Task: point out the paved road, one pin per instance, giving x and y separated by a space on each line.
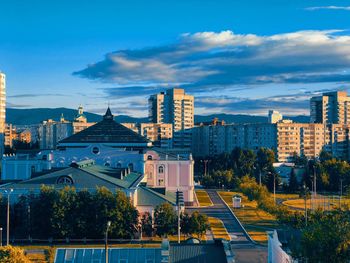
219 210
245 250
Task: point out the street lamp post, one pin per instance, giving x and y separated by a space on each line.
258 168
341 192
0 236
8 192
305 196
106 241
274 188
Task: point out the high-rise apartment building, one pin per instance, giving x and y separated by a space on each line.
331 107
177 108
160 134
285 138
2 111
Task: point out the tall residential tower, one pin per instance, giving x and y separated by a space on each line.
175 107
2 111
330 108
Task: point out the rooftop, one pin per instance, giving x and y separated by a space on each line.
106 131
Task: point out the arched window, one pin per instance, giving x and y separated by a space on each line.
131 167
107 164
95 150
66 180
119 165
161 169
149 157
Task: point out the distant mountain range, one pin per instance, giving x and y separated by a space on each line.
37 115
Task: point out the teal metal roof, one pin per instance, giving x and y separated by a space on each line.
149 197
85 177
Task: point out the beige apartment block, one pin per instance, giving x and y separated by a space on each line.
2 110
331 107
177 108
160 134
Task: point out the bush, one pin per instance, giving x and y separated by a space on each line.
9 254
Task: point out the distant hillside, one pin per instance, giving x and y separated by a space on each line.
37 115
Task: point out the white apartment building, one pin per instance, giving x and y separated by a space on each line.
177 108
209 140
2 111
50 132
331 107
160 134
285 138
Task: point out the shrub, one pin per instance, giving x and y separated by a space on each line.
9 254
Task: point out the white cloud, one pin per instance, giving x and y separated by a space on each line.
204 62
330 7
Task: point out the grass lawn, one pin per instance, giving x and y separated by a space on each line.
255 220
323 203
203 198
217 228
37 258
286 196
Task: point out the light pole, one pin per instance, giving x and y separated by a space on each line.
305 196
258 168
106 241
341 191
0 236
8 192
274 188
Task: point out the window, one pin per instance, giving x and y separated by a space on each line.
161 169
149 157
119 165
66 180
107 164
95 150
131 167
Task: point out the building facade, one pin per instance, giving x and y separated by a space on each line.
110 144
2 111
160 134
50 132
285 138
331 107
177 108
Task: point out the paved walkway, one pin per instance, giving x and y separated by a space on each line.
245 249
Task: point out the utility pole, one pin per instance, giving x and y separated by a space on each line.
8 192
179 203
341 191
260 177
106 241
305 196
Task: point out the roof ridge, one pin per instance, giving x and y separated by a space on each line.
156 193
101 176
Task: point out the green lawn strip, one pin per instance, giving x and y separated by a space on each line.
256 221
203 198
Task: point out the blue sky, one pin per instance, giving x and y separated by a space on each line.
234 56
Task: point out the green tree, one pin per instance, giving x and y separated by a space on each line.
64 213
124 217
9 254
293 184
198 224
326 239
42 211
146 222
165 220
